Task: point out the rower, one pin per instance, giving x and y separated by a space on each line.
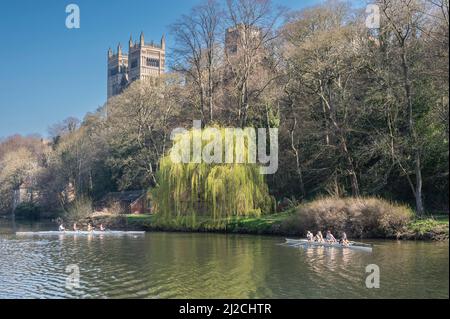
75 227
330 238
61 227
309 236
344 240
319 237
89 227
102 228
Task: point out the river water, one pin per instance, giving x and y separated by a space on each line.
192 265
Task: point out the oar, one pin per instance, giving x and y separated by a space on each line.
360 244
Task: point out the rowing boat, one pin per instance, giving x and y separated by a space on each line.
304 242
81 232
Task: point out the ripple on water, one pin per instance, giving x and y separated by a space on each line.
162 265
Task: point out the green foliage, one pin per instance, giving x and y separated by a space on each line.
16 166
137 129
27 210
140 218
268 224
188 190
428 225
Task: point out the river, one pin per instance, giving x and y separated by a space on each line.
193 265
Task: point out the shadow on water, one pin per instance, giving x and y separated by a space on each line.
9 224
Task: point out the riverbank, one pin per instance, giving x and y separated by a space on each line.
431 228
428 228
362 218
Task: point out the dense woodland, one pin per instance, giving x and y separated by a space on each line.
360 111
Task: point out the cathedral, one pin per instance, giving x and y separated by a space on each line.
144 61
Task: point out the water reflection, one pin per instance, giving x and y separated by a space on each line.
181 265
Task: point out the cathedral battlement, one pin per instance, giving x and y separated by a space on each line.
143 61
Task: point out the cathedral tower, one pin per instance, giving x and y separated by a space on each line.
117 71
144 61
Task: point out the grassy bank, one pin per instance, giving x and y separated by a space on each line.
432 227
429 228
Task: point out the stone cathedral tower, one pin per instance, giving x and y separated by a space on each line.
144 61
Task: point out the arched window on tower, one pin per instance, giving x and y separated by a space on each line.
153 62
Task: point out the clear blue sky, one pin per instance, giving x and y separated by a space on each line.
49 72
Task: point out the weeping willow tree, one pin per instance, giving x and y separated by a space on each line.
215 190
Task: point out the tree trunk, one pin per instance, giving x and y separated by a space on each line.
202 103
210 93
343 142
414 140
418 193
297 158
327 132
351 168
244 105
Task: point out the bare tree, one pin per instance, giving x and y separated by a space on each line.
403 19
140 122
68 125
323 58
197 53
250 33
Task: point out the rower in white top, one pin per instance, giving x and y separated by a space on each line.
330 238
319 238
61 227
344 240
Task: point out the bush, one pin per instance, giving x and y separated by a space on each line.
27 211
358 217
115 208
79 209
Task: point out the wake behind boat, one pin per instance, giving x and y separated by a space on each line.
81 232
351 245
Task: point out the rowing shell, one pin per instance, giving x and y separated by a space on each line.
304 242
81 232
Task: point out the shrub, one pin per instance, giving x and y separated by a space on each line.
79 209
115 208
27 211
358 217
